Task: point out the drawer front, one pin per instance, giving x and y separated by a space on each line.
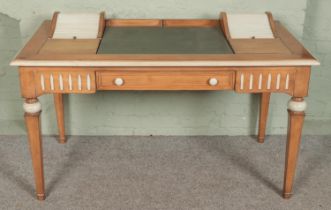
172 80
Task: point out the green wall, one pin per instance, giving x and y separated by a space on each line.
166 113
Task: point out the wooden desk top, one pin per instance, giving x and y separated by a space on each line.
163 43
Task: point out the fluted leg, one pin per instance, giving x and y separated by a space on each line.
32 108
296 108
264 108
58 101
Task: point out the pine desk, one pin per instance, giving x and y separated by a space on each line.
155 54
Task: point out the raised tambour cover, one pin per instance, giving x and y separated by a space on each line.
246 26
76 25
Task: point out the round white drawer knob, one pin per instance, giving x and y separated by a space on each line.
119 81
213 81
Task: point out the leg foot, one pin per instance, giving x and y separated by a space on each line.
41 197
287 195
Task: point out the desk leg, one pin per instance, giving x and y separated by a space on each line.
264 108
296 108
58 101
32 108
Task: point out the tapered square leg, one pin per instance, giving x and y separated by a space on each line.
32 110
58 101
264 109
296 116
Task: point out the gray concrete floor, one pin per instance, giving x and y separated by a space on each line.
165 173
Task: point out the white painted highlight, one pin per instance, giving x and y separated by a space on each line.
60 82
269 82
88 82
42 82
213 81
242 79
119 63
246 26
32 108
251 81
79 25
51 79
287 82
260 81
70 82
297 106
278 82
79 82
119 81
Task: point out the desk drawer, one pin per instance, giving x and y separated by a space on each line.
172 80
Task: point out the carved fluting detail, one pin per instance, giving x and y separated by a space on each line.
79 82
269 82
278 82
32 107
88 82
242 81
297 106
70 82
251 80
260 81
52 81
66 81
61 81
42 82
265 81
287 82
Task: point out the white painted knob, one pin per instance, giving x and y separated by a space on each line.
297 106
213 81
32 108
119 81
